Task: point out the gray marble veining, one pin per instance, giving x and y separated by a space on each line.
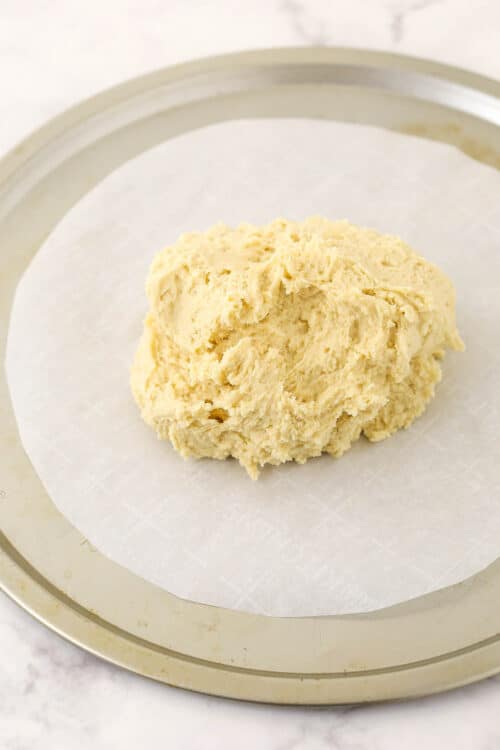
402 12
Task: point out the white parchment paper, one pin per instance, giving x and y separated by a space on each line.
386 522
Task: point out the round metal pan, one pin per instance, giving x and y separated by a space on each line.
433 643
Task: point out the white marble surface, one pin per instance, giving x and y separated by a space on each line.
53 53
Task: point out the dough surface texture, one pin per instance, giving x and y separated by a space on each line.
281 342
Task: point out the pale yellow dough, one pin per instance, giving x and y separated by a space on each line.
281 342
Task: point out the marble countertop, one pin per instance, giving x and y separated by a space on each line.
52 694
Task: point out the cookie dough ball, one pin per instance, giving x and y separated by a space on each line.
282 342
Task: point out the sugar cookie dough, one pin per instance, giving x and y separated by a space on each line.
281 342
